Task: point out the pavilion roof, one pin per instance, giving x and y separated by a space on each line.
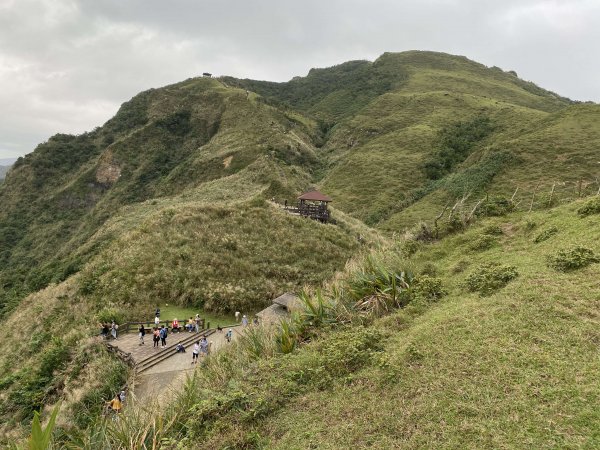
315 196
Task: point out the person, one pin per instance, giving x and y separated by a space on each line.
204 346
285 203
175 325
142 331
157 313
237 316
179 348
190 325
219 329
195 352
255 320
244 321
113 329
157 321
229 335
115 404
122 396
197 323
156 337
104 330
163 336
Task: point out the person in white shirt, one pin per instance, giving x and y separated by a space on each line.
195 352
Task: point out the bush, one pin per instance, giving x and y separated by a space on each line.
492 230
545 235
428 288
489 278
481 243
496 207
590 207
571 259
460 266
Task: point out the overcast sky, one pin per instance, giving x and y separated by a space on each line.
67 65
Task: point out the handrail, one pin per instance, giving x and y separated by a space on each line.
126 327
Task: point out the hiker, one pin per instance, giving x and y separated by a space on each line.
104 330
285 203
175 325
142 331
204 346
113 330
244 321
157 313
237 316
157 321
115 404
229 335
255 321
156 337
163 336
179 348
195 352
190 325
197 323
122 396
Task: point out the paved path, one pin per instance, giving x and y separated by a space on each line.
160 382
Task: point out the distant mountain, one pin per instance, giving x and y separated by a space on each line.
3 170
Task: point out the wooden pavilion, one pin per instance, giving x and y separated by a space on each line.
313 204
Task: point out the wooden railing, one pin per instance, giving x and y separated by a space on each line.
126 357
149 324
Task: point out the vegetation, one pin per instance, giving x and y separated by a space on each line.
451 322
572 258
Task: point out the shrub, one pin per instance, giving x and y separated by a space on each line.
491 277
496 207
545 235
590 207
429 269
481 243
376 288
530 225
571 259
460 266
428 288
492 230
409 248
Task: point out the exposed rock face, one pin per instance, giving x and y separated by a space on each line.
108 171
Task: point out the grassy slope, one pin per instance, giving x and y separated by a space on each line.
383 118
161 143
516 369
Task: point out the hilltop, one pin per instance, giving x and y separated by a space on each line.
171 201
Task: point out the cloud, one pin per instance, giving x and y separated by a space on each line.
67 65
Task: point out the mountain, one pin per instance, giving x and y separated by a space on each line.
3 170
171 201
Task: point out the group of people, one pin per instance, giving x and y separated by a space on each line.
245 320
159 335
201 347
107 329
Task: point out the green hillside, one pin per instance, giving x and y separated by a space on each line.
171 201
514 365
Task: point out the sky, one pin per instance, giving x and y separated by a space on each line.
66 65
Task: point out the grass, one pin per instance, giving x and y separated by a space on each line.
181 313
516 367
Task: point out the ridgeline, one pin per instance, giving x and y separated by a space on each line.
448 315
